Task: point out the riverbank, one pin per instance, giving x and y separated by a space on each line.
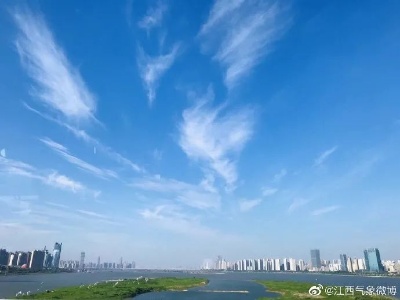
119 289
300 290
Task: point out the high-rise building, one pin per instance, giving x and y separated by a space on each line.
3 257
277 264
315 259
82 262
302 266
56 255
12 260
22 259
37 259
292 264
349 264
48 259
343 262
373 261
98 262
361 264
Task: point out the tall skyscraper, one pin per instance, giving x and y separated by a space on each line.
98 262
343 262
82 262
3 257
373 261
37 260
22 259
315 259
56 255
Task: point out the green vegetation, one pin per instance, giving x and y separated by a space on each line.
122 289
299 290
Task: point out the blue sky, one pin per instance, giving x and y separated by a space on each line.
168 132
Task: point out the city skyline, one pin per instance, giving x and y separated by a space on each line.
171 132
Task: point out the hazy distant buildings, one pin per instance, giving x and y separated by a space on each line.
56 255
315 259
82 262
373 261
343 263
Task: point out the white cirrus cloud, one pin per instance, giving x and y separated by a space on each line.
325 210
52 178
59 85
241 33
247 205
171 218
268 191
88 139
279 176
63 152
215 136
324 156
296 204
192 195
154 17
64 182
152 68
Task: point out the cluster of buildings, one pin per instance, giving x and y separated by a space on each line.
35 260
81 265
370 262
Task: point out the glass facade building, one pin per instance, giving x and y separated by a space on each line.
56 255
315 259
373 261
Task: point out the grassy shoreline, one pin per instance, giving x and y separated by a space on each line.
119 289
300 290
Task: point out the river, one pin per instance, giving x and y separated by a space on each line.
238 285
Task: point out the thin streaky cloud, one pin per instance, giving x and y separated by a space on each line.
152 68
63 152
53 179
219 10
63 182
92 214
247 205
153 17
268 191
324 156
85 137
171 218
325 210
240 35
296 204
195 196
215 136
279 176
46 63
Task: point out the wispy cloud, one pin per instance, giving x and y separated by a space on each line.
63 151
324 156
171 218
153 17
325 210
153 68
14 167
268 191
63 182
241 33
157 154
279 176
92 214
189 194
247 205
88 139
59 85
215 136
297 203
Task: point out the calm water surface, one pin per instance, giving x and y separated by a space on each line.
11 284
